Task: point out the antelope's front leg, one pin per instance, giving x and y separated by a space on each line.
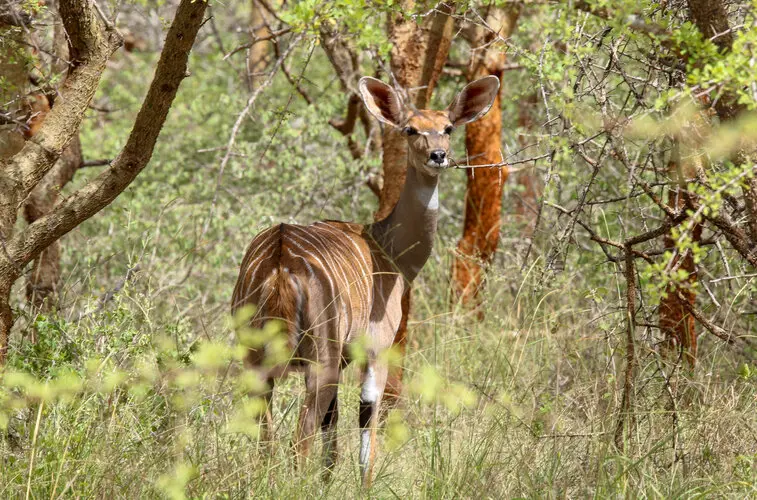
374 382
393 391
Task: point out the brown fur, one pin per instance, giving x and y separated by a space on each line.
339 286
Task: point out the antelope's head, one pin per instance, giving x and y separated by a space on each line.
428 131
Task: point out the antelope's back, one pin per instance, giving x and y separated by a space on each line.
315 276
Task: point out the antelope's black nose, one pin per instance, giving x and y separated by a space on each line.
438 156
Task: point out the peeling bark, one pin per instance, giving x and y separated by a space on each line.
676 322
419 52
259 56
483 197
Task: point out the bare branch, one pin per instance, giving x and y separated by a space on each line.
103 189
258 39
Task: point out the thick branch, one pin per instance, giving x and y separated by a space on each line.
98 193
93 47
711 19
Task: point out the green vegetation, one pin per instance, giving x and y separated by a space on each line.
135 386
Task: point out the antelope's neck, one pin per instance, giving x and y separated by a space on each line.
407 234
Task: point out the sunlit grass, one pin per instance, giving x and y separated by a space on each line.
521 404
143 395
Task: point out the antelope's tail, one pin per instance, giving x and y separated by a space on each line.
283 298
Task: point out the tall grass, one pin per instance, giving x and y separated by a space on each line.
520 405
135 388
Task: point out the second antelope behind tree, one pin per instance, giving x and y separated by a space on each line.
337 283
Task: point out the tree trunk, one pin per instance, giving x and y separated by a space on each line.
711 18
419 52
15 81
483 198
42 283
260 52
676 322
91 47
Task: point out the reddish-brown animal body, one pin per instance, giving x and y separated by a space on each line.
332 285
328 276
336 283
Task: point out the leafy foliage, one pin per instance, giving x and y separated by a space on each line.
136 386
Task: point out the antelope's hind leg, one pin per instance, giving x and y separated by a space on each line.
321 385
328 428
253 363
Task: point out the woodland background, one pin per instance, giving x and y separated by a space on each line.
585 326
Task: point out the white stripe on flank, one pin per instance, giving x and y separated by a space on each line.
255 254
314 257
362 271
257 264
263 241
322 246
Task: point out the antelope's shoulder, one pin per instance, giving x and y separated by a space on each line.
351 229
338 232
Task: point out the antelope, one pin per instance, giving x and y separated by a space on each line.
334 284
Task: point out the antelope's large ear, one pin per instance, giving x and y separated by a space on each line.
474 101
381 100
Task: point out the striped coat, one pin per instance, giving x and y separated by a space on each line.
331 284
335 283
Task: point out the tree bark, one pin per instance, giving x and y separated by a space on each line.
676 322
42 283
483 197
418 54
91 47
260 52
16 79
345 62
711 18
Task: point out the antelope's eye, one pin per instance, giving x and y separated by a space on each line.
449 129
410 131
